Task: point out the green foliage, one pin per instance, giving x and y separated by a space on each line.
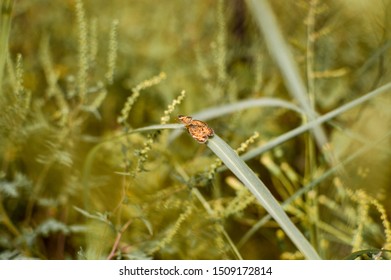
95 166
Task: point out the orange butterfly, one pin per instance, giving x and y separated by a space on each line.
199 130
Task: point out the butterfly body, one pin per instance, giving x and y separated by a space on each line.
199 130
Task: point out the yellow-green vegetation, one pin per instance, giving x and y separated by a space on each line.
94 164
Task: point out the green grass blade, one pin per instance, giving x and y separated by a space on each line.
5 27
226 109
261 192
322 119
370 254
313 184
281 53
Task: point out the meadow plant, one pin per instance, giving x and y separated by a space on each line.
95 164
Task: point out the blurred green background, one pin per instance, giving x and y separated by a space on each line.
65 195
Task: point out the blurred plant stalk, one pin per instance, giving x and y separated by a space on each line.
5 27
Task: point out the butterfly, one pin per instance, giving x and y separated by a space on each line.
199 130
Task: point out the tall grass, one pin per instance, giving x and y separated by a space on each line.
94 164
